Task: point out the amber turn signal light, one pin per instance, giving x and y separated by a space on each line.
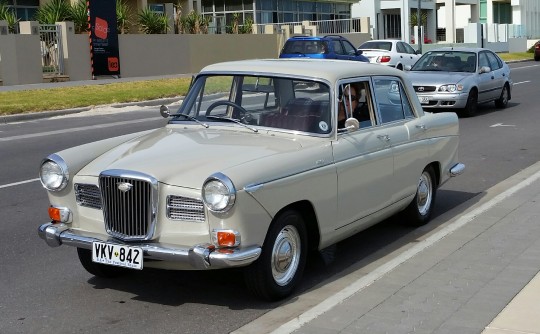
59 215
226 238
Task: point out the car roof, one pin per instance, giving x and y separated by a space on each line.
461 49
326 69
316 38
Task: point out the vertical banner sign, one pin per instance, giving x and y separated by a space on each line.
103 37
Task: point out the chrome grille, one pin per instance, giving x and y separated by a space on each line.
424 89
184 208
88 195
129 207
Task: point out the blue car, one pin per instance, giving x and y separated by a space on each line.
327 47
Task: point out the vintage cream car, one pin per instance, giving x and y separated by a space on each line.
254 170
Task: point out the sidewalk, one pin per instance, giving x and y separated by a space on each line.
476 273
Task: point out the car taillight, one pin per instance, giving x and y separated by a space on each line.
384 59
537 46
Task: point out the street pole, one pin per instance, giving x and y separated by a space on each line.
419 23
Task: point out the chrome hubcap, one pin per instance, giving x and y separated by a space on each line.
285 255
424 194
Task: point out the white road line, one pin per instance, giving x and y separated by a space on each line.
521 82
17 183
379 272
42 134
519 68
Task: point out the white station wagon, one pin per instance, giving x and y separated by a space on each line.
264 161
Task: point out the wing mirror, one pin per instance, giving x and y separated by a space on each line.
164 111
407 68
485 69
352 124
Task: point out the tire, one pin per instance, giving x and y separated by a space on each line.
536 58
97 269
502 101
472 104
419 211
286 241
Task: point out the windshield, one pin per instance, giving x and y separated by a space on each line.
447 61
259 101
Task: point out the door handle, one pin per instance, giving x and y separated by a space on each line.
384 137
421 126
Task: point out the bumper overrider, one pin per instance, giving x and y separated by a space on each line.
204 256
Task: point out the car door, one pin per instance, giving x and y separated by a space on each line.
498 74
350 50
409 54
405 133
364 166
487 85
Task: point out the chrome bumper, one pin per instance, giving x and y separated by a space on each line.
204 256
457 169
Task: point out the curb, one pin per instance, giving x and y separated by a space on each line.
46 114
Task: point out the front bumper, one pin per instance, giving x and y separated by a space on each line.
204 256
446 101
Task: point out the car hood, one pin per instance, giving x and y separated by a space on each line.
187 156
433 78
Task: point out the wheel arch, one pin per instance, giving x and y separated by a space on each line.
307 211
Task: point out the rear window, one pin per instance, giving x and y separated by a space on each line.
377 45
305 47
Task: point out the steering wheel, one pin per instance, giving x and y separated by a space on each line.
243 112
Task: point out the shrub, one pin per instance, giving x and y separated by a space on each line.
54 11
151 22
7 14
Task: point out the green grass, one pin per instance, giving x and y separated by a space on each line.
27 101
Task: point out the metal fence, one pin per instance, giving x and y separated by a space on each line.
52 58
323 27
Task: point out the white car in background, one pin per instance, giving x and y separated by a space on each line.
390 52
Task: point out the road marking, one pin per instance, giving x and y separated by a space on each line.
519 68
521 82
17 183
382 270
91 127
499 124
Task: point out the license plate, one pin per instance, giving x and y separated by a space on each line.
424 99
117 255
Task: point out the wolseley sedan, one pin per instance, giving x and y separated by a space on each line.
253 171
461 78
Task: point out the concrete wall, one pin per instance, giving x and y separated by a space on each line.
20 59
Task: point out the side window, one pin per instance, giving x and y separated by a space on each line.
493 61
483 60
355 101
337 47
400 48
409 48
349 48
391 100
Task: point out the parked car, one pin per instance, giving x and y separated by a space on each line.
253 171
327 47
537 51
390 52
461 78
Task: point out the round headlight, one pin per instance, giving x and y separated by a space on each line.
53 174
218 193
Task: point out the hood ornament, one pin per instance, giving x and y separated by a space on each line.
124 186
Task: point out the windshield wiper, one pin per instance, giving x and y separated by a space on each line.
191 118
234 120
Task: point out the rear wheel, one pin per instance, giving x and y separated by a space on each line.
472 104
279 268
419 211
97 269
502 101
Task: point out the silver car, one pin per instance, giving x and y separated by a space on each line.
254 170
461 78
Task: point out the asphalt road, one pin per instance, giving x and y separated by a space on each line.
44 290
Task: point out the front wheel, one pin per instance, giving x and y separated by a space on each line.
97 269
472 104
419 211
281 264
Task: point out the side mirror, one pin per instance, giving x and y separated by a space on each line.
407 68
359 52
418 52
352 124
485 69
164 111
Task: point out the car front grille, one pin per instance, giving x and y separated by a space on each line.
183 208
129 204
88 195
424 89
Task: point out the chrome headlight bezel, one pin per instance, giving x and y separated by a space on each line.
451 88
218 193
53 173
